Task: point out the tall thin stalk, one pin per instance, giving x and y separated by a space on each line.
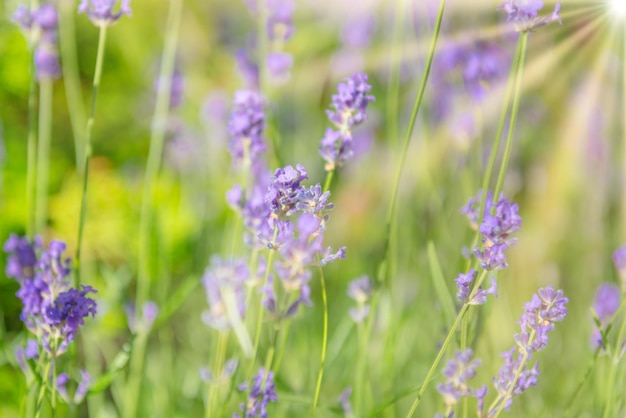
88 147
157 138
43 153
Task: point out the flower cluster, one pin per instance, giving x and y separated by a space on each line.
44 22
101 12
279 30
348 111
262 392
605 305
52 310
463 286
459 371
545 308
246 126
361 291
499 222
523 14
224 282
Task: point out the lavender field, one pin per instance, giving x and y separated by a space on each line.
312 208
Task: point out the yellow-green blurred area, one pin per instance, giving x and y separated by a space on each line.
567 174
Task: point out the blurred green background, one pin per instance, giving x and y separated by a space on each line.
567 175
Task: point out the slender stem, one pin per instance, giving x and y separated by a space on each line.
320 374
71 79
445 344
218 363
496 143
514 110
43 154
42 389
409 133
329 179
360 369
88 150
518 373
157 136
31 172
615 363
393 80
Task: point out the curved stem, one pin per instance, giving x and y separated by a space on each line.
88 150
514 110
320 374
518 372
407 140
43 154
218 362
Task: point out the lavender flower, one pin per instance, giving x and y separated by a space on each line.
282 195
361 290
483 65
350 102
262 392
101 13
344 401
348 111
69 311
280 19
81 390
52 310
278 65
220 277
605 305
619 259
545 308
464 287
460 370
523 14
248 69
499 222
45 19
246 126
141 323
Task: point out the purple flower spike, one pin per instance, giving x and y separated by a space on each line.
262 392
282 195
545 308
246 126
458 372
278 65
463 285
605 305
219 277
69 311
523 14
349 106
101 13
22 258
350 102
361 290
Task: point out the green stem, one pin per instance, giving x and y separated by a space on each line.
496 143
615 363
42 389
259 323
445 345
71 79
43 154
407 140
88 150
218 363
31 171
514 110
320 374
329 179
394 71
157 137
518 372
360 369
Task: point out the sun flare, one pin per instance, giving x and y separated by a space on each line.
617 8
